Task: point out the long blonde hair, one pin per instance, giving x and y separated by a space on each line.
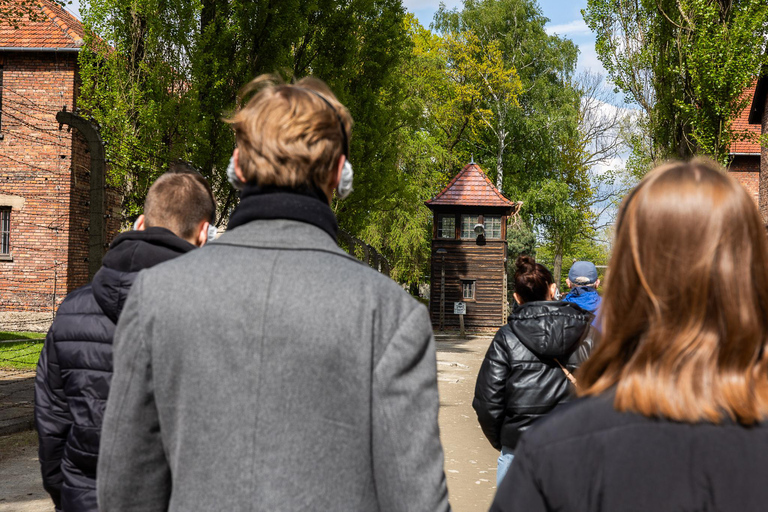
685 311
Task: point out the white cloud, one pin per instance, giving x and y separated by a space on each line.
575 27
614 164
588 59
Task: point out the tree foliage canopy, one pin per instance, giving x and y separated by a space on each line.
686 63
485 82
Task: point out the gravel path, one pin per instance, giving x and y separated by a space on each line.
21 489
470 461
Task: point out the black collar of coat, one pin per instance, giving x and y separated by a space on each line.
305 204
129 253
136 250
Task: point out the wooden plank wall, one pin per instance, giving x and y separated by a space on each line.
467 260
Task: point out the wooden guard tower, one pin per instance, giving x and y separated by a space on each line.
469 245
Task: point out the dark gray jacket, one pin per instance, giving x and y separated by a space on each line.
271 371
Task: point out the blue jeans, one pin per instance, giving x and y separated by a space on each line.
505 460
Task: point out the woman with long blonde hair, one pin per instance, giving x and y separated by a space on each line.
675 397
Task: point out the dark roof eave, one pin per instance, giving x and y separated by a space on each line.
38 49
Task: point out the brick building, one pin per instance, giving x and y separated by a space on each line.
745 154
44 170
758 118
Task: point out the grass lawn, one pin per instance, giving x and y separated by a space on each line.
23 352
21 335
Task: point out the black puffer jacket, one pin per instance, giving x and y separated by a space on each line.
75 367
520 379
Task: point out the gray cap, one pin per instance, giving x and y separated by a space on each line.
582 273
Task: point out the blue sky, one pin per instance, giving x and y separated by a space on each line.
565 20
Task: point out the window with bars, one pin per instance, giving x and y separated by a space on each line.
468 289
493 227
446 226
468 226
5 231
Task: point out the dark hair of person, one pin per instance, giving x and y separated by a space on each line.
532 280
685 311
179 200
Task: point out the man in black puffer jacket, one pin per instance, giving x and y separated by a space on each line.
75 367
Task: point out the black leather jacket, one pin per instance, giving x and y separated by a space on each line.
520 379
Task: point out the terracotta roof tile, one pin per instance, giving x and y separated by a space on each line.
741 125
54 27
470 187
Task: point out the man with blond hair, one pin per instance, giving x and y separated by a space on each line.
73 374
271 370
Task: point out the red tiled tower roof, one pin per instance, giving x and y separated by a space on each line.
741 125
52 28
470 187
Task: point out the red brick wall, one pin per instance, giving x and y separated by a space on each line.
746 170
48 168
764 170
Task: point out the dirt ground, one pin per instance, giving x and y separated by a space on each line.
21 489
470 462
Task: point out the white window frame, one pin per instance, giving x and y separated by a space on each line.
489 234
472 284
441 231
471 224
5 232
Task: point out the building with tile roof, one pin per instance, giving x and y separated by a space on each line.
470 187
47 26
44 169
472 266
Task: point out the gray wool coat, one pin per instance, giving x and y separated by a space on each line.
271 371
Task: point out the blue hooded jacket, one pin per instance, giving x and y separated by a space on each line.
586 297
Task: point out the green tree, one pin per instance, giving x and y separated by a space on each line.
134 78
455 85
686 63
159 76
554 139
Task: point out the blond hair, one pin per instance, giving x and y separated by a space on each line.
287 135
685 312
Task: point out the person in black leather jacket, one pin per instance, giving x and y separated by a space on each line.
521 378
75 366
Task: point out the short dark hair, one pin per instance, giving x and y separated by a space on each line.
532 280
179 200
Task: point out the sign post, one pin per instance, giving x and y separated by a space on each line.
460 308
